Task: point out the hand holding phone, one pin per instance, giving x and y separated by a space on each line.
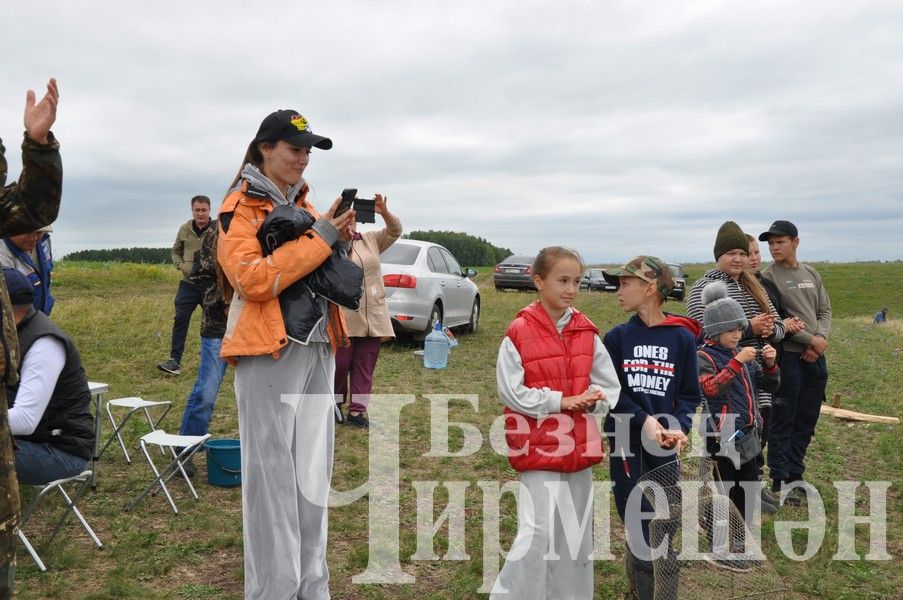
348 196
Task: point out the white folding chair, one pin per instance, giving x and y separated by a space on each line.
97 389
187 445
133 404
83 478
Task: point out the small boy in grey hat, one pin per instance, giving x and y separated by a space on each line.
729 380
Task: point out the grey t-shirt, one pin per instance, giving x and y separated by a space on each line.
805 297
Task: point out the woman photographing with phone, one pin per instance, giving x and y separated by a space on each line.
370 325
284 389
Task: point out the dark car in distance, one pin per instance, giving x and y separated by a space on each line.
680 282
594 281
515 272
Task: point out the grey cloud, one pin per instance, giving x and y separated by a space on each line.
526 123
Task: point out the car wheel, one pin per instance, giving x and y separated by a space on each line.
474 323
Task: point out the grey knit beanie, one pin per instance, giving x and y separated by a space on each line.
722 313
730 237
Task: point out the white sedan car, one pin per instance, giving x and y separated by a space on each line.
425 284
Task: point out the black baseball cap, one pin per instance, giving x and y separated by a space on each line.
289 126
780 228
20 288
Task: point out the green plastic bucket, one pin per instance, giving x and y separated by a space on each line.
223 462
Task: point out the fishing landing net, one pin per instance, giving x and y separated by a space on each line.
705 548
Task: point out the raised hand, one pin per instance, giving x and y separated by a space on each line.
379 206
39 118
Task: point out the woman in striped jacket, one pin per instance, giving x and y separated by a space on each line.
765 326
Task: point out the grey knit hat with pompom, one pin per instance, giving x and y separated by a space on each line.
722 313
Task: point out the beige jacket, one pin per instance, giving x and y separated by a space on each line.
186 244
372 318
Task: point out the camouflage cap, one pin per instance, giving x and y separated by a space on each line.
648 268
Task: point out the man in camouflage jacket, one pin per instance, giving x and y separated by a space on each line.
26 205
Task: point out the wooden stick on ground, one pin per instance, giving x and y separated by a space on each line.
842 413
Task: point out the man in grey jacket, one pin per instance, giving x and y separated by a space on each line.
188 296
804 373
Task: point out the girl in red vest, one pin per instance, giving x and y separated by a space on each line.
553 370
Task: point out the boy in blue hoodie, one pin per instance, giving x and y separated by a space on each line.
654 354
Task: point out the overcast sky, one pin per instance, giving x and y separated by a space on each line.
616 128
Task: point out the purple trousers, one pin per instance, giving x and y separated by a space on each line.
357 363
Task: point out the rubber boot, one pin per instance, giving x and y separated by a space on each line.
640 578
628 569
644 579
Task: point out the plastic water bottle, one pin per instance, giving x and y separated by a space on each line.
435 349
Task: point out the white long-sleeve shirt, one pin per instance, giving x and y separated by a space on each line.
41 369
539 402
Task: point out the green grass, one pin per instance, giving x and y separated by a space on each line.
120 316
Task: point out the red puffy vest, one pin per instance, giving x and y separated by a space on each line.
567 441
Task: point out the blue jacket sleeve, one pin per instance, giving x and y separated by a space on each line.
688 394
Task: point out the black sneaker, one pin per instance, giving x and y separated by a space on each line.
767 507
794 497
170 366
770 502
358 420
770 497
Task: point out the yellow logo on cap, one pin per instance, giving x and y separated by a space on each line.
300 123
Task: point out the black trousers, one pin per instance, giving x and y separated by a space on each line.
733 476
794 415
188 298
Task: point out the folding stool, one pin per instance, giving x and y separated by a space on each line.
187 445
84 478
134 405
97 389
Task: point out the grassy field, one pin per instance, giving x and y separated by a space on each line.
120 317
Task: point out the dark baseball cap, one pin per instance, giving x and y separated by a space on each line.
648 268
780 228
20 288
289 126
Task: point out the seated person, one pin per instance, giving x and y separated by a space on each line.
49 412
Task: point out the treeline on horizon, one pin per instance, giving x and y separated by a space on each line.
154 256
469 250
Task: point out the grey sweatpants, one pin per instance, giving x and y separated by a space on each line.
541 564
286 424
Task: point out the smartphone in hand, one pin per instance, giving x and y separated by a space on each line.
348 196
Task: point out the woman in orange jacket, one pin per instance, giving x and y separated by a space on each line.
283 386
